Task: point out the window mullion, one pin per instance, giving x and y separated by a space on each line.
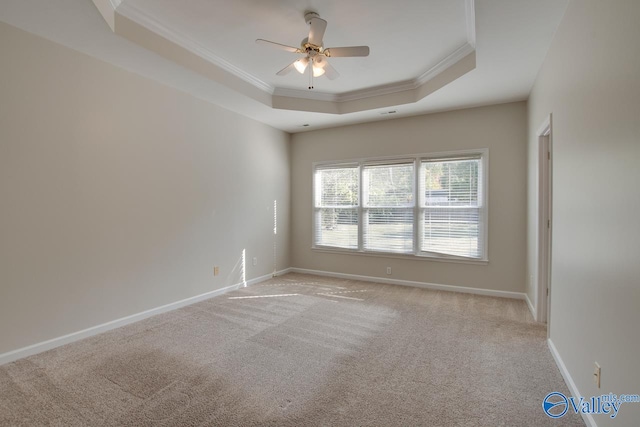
360 208
417 202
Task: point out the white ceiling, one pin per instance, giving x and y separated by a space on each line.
229 29
408 38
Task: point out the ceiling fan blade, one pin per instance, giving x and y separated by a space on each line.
334 52
286 70
330 72
316 33
278 46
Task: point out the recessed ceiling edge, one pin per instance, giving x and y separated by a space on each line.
138 27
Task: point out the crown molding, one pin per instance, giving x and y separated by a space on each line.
306 94
377 91
142 18
346 96
447 62
391 88
470 10
107 9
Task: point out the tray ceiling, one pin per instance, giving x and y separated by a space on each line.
416 49
426 55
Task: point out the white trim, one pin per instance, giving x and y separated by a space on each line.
485 201
302 94
348 96
107 9
545 127
587 418
470 9
423 285
441 66
305 94
253 281
381 90
411 256
532 309
142 18
282 272
98 329
543 194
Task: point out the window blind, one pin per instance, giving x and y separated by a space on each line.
336 207
388 213
451 214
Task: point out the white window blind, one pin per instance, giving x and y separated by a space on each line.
426 206
336 207
388 207
451 212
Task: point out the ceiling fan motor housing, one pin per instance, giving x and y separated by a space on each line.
311 49
308 16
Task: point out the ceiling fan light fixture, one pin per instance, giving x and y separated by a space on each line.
318 66
301 64
317 71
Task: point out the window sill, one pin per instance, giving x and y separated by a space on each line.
401 256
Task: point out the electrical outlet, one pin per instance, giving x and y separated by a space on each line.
389 270
596 374
216 271
255 260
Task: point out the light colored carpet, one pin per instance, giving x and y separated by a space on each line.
300 350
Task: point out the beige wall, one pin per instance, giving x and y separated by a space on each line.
590 83
119 194
500 128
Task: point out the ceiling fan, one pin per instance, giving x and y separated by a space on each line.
314 52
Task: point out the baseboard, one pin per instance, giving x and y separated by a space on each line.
281 272
532 309
587 418
95 330
424 285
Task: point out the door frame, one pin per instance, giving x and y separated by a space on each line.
545 224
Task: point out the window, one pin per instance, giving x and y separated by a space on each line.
388 205
451 217
336 207
425 206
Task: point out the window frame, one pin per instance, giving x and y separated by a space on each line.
366 207
315 198
417 159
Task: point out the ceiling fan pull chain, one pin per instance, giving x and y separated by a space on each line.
311 76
